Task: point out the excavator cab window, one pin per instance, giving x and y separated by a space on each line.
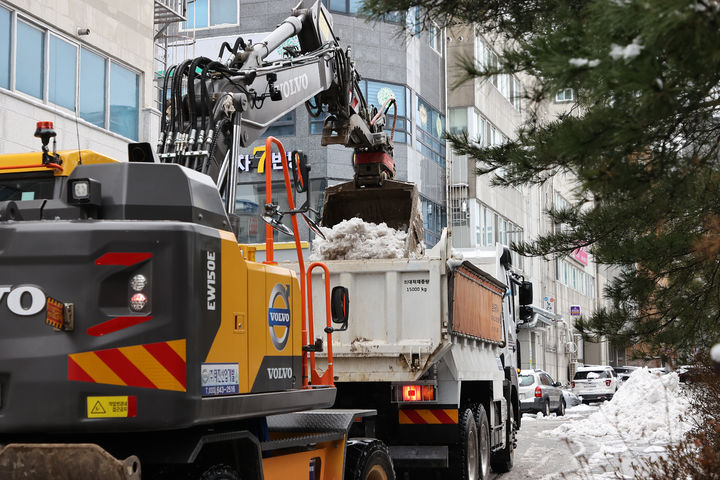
19 188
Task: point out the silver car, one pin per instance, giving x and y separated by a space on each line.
540 393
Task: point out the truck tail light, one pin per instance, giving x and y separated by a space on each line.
607 383
538 392
414 393
138 302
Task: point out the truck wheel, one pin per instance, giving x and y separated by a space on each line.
464 454
220 472
484 442
367 459
503 460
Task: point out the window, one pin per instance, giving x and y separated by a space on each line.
508 85
283 126
211 13
435 39
574 277
376 93
123 101
51 75
492 228
458 120
30 63
5 48
63 68
431 127
344 6
316 124
433 221
566 95
92 88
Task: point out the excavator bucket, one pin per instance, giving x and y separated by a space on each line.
79 461
394 203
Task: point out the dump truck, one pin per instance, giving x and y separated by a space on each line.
138 339
432 346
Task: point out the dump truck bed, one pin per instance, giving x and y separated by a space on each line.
406 314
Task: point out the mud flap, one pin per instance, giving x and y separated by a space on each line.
395 203
60 461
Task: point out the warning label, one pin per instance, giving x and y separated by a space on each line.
111 407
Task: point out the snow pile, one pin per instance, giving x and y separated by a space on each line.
582 62
647 407
355 239
715 353
628 52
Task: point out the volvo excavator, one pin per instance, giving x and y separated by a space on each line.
138 339
215 108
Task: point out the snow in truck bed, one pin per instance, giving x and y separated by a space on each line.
356 239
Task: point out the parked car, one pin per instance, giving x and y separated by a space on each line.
595 383
623 373
540 393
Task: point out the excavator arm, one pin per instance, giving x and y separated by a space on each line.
213 108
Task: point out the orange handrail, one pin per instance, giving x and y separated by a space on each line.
47 165
326 378
269 253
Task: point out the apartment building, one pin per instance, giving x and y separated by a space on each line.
86 66
482 215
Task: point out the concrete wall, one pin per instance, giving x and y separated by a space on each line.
122 31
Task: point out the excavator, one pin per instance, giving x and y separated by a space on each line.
138 339
214 109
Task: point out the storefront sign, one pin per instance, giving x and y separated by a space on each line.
581 255
248 162
549 304
574 310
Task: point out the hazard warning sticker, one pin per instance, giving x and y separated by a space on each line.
112 407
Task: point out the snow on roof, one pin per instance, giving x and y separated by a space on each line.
647 407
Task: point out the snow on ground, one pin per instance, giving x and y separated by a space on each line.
355 239
648 407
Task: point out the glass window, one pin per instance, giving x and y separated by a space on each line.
565 95
283 126
123 101
458 120
63 63
354 5
377 93
27 188
338 5
92 88
489 228
525 380
197 15
4 48
223 12
30 60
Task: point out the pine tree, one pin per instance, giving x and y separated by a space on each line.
642 142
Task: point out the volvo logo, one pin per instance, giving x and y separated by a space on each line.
279 315
294 85
23 300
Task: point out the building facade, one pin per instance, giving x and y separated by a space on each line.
86 66
481 215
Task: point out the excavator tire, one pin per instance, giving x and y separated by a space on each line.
367 459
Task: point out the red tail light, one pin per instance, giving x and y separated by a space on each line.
607 383
538 392
572 384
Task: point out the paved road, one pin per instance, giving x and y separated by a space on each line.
541 456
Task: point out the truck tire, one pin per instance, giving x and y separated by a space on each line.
220 472
464 463
503 460
484 456
367 459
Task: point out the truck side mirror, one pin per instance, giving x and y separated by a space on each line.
301 171
340 306
525 293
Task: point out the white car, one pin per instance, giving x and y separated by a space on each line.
595 383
